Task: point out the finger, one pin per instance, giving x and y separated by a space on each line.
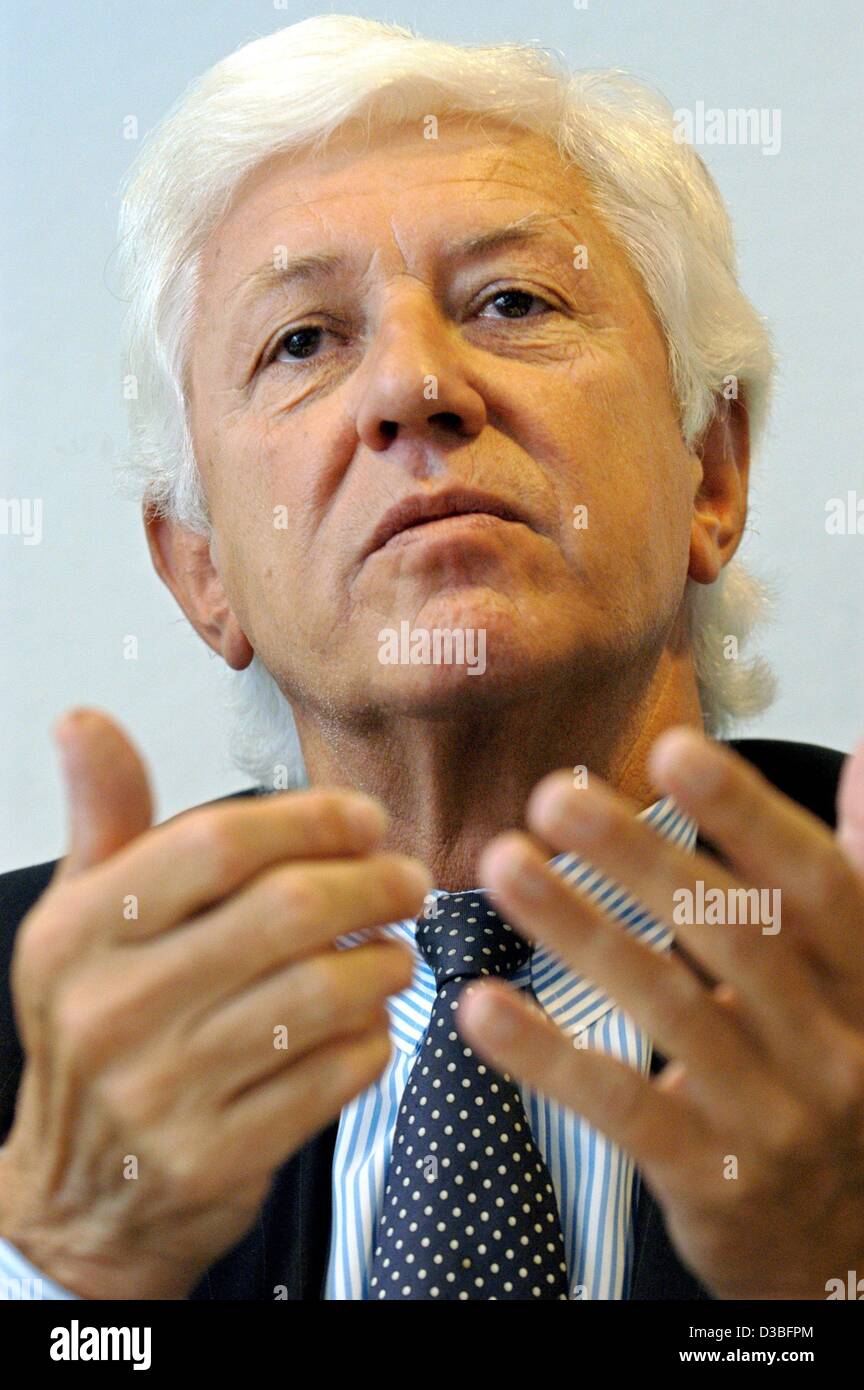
264 1125
185 865
331 995
108 798
656 989
282 916
770 841
850 809
517 1038
786 1009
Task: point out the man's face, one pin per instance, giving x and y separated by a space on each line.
415 363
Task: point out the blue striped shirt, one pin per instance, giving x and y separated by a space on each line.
592 1177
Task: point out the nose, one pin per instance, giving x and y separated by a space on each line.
415 383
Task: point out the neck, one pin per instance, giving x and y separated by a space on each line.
451 784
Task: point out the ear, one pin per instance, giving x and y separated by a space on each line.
184 562
720 501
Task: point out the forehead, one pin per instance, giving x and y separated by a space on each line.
396 184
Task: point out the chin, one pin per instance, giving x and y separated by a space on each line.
432 672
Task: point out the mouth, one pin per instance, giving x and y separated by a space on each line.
441 527
427 517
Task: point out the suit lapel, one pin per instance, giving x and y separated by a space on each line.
657 1271
284 1255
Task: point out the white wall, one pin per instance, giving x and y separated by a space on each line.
72 75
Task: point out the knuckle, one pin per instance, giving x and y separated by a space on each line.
49 934
293 895
133 1001
325 817
844 1089
626 1101
684 1012
603 948
211 836
130 1097
319 1000
30 971
81 1021
38 943
740 947
827 880
183 1173
791 1135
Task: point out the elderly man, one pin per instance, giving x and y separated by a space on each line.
443 393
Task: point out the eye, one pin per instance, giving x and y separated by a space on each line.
297 344
516 304
294 346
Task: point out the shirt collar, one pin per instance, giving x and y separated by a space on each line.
571 1001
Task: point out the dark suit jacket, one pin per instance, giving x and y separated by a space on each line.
289 1243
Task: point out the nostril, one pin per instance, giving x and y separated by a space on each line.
448 419
389 429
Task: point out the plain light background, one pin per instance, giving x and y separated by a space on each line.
73 75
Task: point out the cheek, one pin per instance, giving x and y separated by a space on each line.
257 491
619 455
253 513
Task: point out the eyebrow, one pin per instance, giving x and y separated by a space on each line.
270 277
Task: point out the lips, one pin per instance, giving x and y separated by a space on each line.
423 508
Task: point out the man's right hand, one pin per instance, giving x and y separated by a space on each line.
186 1018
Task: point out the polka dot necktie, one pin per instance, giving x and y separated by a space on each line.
469 1209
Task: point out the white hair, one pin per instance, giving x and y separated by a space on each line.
291 91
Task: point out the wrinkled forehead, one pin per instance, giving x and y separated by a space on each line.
359 161
401 192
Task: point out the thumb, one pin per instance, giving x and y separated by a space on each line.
108 796
850 808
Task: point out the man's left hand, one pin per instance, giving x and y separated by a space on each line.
752 1136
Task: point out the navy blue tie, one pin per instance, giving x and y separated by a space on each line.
469 1209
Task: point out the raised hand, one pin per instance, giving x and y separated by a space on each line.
752 1137
186 1019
